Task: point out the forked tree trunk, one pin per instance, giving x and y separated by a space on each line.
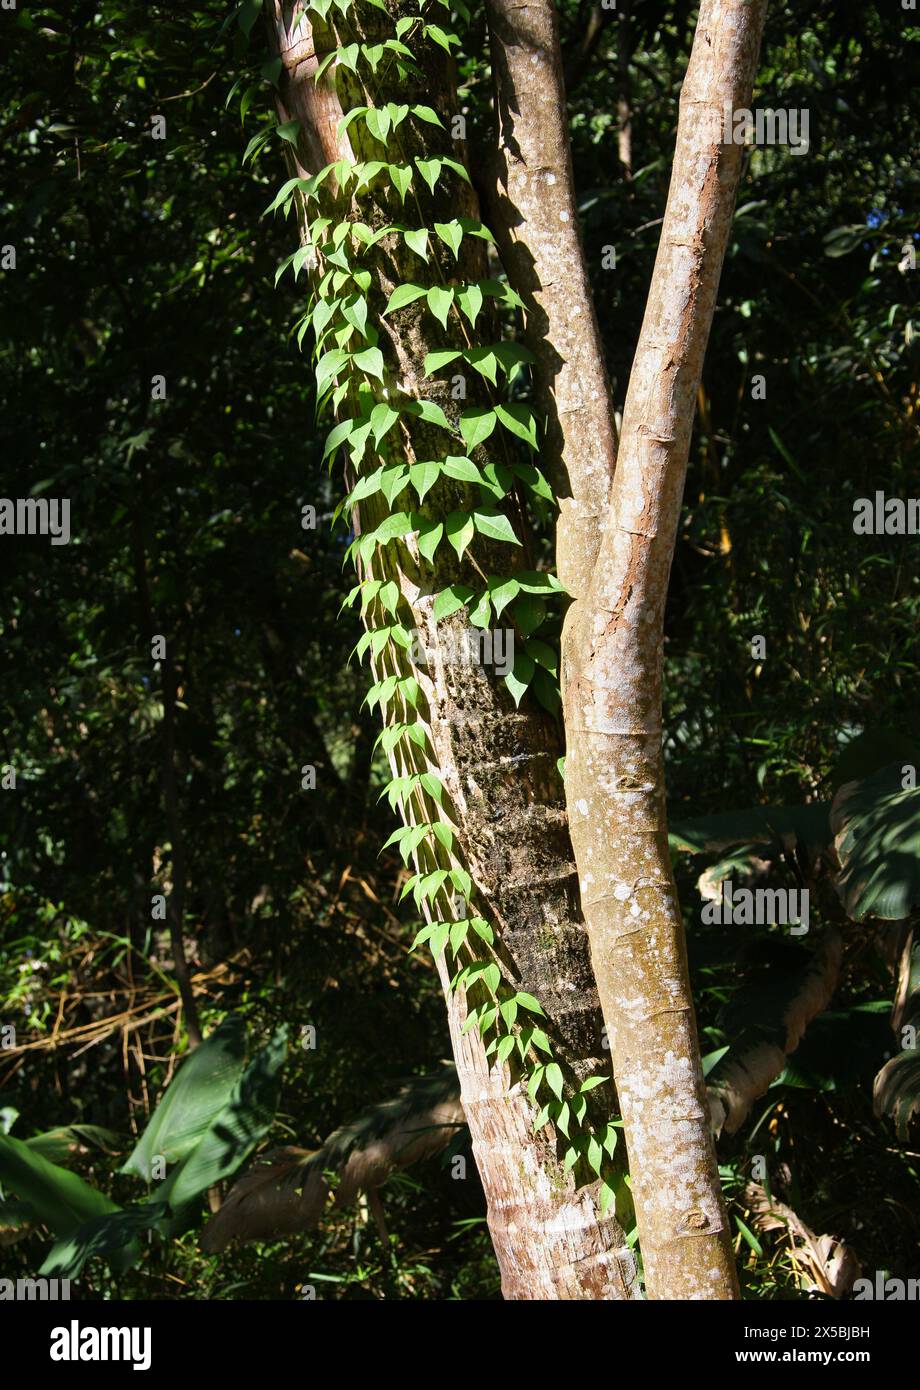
497 763
612 671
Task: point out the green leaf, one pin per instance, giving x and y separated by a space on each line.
449 600
403 295
481 612
495 525
61 1200
485 362
236 1130
876 824
519 678
451 233
417 241
501 592
434 361
290 132
425 113
378 121
430 536
247 14
439 302
470 300
423 477
519 419
195 1096
554 1079
749 1236
383 418
429 170
354 311
527 1001
529 612
58 1145
460 531
401 178
476 425
337 436
461 881
112 1237
428 411
462 469
458 168
370 361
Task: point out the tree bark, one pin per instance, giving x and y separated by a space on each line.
612 672
533 212
497 763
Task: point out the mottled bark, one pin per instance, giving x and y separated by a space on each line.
612 671
497 763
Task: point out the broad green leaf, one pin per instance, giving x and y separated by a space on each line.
876 824
235 1131
113 1236
195 1096
61 1200
529 612
428 411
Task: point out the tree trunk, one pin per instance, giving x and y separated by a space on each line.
533 214
497 764
612 671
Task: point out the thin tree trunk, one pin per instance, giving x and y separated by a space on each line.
612 671
497 763
534 217
624 88
176 905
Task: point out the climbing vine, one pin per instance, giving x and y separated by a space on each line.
421 485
